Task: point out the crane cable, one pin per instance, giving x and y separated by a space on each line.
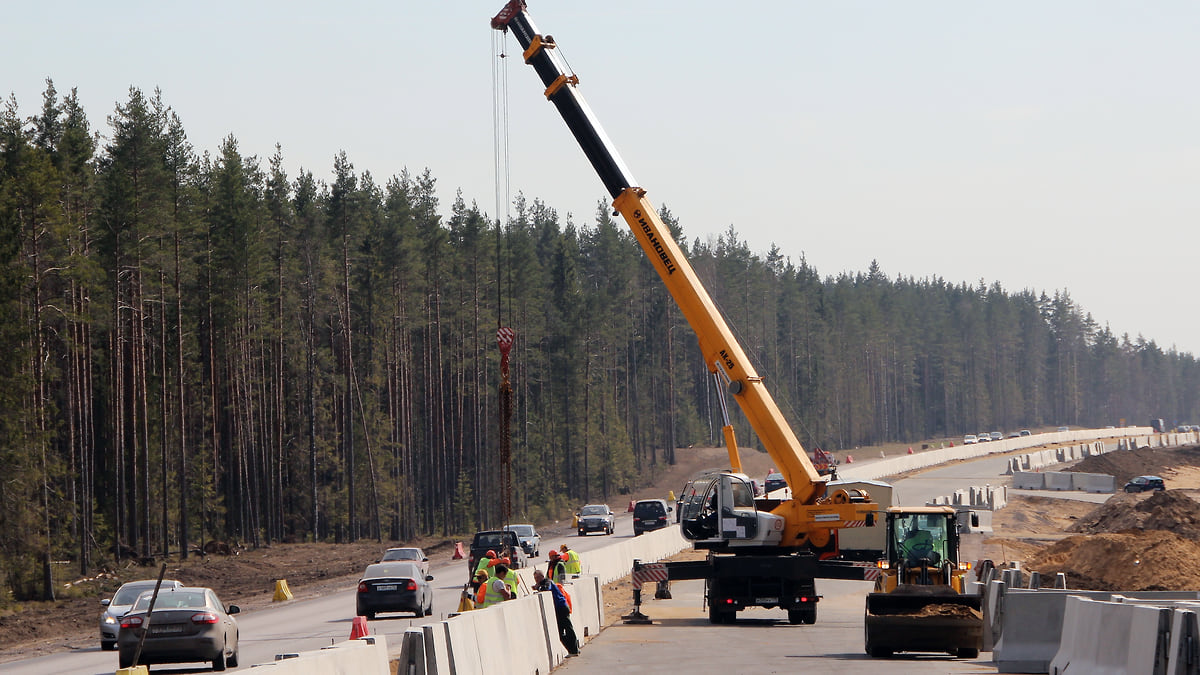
500 123
501 167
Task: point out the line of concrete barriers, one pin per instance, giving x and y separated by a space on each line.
1060 631
523 633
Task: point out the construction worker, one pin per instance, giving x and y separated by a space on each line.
495 590
557 568
570 560
485 563
562 611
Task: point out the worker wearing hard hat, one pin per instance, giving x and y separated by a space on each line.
570 560
558 568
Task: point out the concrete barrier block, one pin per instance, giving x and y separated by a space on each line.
412 654
1111 637
1098 483
1183 654
1149 639
368 656
1031 631
993 617
1027 480
1057 480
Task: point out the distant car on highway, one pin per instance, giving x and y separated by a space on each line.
188 623
970 439
120 603
1063 429
531 541
774 481
996 436
504 543
984 437
407 554
595 518
1026 432
394 587
650 514
1145 484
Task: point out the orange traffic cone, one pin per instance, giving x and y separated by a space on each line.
458 552
630 509
849 459
359 629
910 449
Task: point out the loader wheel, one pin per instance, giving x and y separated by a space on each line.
967 653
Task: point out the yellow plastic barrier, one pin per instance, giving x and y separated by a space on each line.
282 592
134 670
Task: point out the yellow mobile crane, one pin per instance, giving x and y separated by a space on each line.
761 553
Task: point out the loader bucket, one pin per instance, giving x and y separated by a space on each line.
933 619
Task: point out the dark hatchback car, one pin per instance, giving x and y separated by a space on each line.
1145 484
188 624
649 514
394 587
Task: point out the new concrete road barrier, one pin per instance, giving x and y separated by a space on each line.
1093 440
364 656
1112 637
1183 653
1028 628
521 634
1099 483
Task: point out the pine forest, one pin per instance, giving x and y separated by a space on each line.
201 347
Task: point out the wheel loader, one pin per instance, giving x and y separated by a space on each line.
919 603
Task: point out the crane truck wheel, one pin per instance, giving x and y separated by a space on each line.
716 616
968 653
805 615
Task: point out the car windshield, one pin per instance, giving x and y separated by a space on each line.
127 594
170 599
522 530
594 511
392 570
402 554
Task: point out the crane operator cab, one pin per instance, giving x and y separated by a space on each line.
718 509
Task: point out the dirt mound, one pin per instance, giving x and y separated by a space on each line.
1168 510
1153 560
1126 464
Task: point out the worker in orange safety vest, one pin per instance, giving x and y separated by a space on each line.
495 590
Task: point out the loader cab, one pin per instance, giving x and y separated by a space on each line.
920 537
922 546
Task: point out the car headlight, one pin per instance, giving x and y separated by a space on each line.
108 618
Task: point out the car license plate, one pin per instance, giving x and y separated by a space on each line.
386 587
166 628
767 601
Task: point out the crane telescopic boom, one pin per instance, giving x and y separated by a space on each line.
809 517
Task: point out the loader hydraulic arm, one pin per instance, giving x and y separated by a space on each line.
722 352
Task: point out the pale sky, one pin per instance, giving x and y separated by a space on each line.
1043 145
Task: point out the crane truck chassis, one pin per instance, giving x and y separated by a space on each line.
764 552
